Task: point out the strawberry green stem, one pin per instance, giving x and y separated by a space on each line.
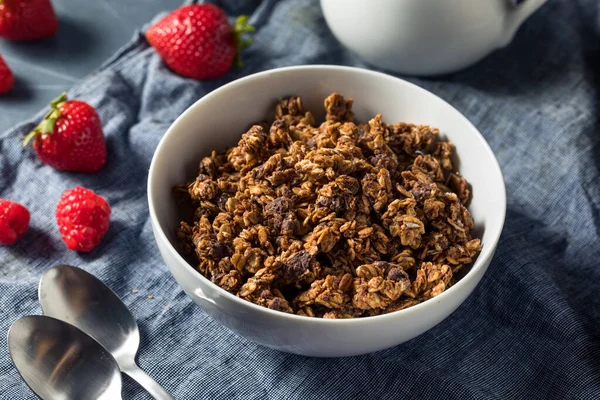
59 100
48 123
240 29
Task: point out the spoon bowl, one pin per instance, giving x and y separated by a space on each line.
59 361
73 295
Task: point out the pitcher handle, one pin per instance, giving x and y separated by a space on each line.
517 13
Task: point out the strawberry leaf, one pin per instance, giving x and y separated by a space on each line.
59 100
47 125
240 29
49 122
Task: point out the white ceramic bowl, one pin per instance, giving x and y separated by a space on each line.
217 121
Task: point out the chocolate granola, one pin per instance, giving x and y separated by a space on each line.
339 220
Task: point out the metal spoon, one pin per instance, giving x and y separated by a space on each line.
77 297
58 361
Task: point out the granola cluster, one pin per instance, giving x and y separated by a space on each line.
340 220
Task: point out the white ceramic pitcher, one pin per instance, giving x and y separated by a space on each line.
425 37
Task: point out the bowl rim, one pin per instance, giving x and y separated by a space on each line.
481 260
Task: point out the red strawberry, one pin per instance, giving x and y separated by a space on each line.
70 137
196 41
14 221
27 19
82 217
7 80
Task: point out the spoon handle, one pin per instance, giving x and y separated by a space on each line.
155 390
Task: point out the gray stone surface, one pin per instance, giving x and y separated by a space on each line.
89 33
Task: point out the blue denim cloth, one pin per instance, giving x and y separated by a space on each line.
531 329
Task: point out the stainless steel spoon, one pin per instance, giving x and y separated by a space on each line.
58 361
77 297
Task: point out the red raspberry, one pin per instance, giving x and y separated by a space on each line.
82 217
14 221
